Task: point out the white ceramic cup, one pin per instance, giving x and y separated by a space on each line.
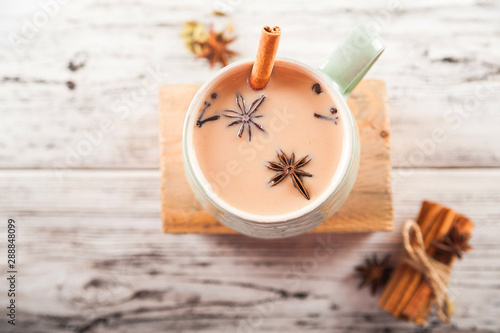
337 76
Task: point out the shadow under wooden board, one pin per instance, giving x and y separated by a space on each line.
368 208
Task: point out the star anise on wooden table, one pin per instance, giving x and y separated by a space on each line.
374 273
244 117
452 244
215 48
287 166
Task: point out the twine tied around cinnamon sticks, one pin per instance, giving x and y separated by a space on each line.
436 273
409 294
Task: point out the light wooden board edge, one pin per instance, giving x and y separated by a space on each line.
181 212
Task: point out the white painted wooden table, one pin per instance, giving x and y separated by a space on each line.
86 196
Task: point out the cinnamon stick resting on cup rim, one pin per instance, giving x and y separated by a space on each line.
266 55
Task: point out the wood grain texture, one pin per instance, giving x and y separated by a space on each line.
102 264
368 208
93 258
437 56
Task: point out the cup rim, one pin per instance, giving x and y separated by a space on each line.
194 171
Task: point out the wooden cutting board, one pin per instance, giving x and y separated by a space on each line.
368 208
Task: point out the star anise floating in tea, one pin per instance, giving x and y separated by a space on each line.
374 273
334 117
245 117
452 244
288 167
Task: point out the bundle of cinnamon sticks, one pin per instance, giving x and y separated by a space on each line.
408 294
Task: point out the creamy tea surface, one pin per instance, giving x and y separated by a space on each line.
272 151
